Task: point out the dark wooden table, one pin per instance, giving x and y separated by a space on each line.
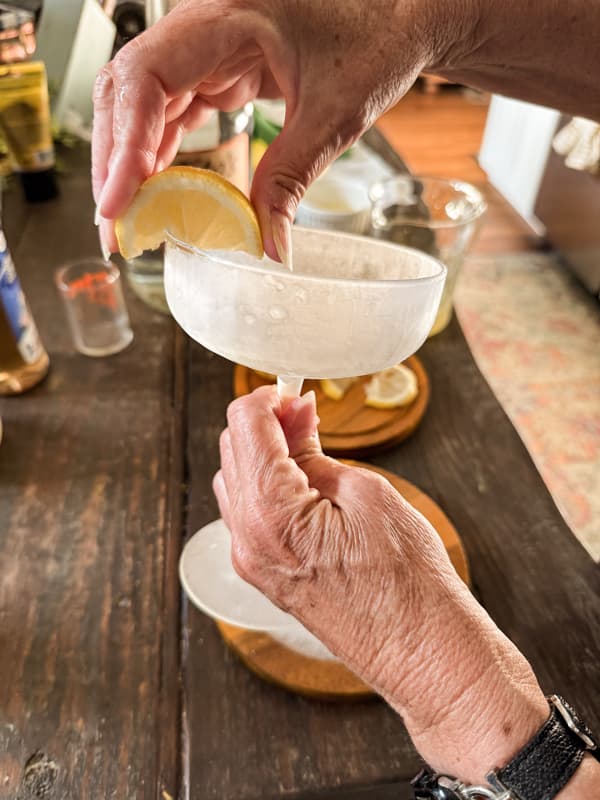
111 685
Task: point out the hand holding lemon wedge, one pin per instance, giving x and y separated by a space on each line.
201 208
196 206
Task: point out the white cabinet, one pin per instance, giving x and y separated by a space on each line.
515 148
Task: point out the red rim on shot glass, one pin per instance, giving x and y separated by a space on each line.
93 296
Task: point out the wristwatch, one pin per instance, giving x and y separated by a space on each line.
538 771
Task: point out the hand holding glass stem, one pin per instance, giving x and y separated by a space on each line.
336 546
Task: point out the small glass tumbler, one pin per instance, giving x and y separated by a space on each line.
440 217
96 311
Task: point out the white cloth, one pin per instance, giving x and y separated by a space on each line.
579 142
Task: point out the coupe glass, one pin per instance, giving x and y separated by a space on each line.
351 306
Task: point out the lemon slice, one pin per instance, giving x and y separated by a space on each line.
393 387
197 206
336 388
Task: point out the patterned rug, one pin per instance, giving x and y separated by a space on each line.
535 334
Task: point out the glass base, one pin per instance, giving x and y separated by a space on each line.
214 587
108 349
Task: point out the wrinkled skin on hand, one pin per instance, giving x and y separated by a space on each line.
332 544
341 550
336 546
337 65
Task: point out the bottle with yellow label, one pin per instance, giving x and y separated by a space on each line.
23 359
25 128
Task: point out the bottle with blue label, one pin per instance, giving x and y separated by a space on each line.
23 359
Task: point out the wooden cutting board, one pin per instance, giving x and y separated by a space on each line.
348 427
331 680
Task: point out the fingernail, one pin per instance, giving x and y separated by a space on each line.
97 216
101 199
298 404
312 401
103 246
282 238
310 398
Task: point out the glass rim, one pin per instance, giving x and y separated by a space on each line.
111 270
261 266
464 187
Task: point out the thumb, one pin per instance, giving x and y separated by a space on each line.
310 140
333 480
299 422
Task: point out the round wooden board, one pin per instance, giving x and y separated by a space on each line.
348 427
331 680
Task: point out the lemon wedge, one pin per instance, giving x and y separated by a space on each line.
393 387
197 206
257 150
336 388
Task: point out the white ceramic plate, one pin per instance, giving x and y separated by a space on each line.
214 587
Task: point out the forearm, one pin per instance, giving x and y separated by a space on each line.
585 783
543 51
341 550
468 697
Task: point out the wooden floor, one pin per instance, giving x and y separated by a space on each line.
440 135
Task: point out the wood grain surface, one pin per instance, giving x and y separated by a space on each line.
96 489
90 528
442 136
348 427
528 570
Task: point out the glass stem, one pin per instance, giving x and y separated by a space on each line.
289 386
